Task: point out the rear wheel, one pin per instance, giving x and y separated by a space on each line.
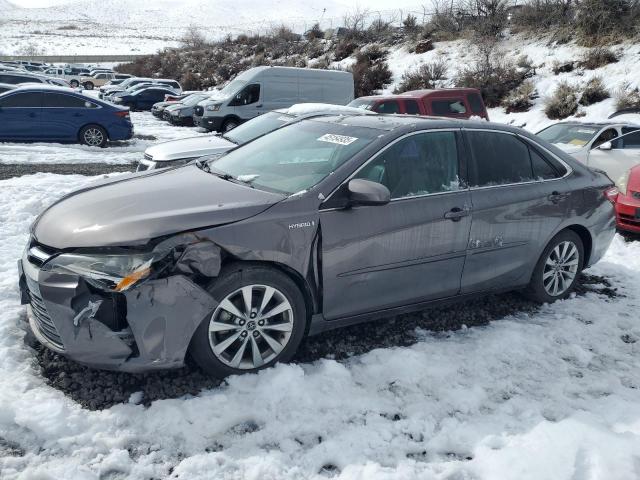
260 320
93 135
558 268
88 85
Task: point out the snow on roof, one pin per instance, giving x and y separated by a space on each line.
307 108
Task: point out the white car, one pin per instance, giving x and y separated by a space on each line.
611 147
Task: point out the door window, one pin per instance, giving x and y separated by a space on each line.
499 159
388 106
542 168
58 100
24 100
448 108
417 165
248 95
607 136
631 138
411 107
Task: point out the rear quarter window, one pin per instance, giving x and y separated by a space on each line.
449 108
476 103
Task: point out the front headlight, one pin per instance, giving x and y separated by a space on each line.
623 182
117 100
214 108
110 272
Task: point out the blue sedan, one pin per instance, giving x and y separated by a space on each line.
57 114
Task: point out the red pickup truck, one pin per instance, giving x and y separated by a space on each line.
443 102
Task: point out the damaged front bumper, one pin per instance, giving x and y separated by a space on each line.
146 327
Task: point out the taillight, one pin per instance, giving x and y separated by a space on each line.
611 194
122 113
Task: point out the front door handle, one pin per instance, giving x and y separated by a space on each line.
456 213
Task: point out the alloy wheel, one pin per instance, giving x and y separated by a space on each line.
93 137
560 268
251 326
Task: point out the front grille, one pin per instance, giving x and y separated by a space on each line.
629 220
148 157
142 167
198 110
42 319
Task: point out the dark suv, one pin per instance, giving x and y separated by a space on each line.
320 224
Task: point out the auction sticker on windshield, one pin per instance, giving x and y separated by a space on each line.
339 139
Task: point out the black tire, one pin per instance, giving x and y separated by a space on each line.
88 85
536 289
74 83
229 124
228 284
93 136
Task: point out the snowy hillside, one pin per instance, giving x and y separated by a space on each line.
130 26
543 55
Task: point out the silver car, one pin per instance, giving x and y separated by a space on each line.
178 152
611 147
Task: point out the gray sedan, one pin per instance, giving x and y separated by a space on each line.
320 224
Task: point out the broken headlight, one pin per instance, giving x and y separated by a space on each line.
110 272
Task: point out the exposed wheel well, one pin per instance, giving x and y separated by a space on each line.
301 283
587 241
231 117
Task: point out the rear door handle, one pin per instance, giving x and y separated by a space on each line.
556 197
456 213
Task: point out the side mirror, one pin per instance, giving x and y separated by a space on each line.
605 146
366 192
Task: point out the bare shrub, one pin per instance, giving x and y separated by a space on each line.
370 71
193 38
520 99
314 33
355 22
598 57
563 102
410 26
344 49
537 15
68 27
30 50
425 76
492 74
598 20
562 67
627 97
594 91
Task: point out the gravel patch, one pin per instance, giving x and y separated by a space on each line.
9 170
97 389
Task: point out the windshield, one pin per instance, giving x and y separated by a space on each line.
296 157
229 89
257 127
193 99
363 104
578 135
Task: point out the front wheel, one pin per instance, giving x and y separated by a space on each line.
260 320
558 268
88 85
74 83
93 135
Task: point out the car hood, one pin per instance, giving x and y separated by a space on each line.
189 148
131 209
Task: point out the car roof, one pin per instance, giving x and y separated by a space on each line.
393 122
414 94
26 87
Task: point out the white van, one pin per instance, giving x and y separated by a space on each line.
262 89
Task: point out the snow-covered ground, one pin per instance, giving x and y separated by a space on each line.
553 394
148 131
